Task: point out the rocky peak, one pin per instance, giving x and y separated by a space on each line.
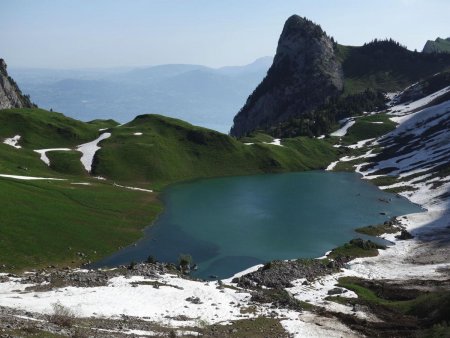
305 73
437 46
10 94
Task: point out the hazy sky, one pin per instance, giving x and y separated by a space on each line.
114 33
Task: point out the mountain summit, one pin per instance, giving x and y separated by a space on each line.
437 46
315 82
305 73
10 94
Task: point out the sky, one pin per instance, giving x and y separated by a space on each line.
136 33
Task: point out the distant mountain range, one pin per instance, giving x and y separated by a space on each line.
200 95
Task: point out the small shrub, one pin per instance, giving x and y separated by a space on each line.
184 261
151 259
62 316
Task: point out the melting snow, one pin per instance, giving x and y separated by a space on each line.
13 141
132 188
405 111
275 142
343 130
43 153
163 304
361 144
89 149
331 165
18 177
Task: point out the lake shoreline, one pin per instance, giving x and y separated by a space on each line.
318 195
318 289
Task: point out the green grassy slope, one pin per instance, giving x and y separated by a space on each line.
40 129
43 129
21 162
41 220
67 162
172 150
368 127
48 222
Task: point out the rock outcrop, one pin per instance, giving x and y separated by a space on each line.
437 46
305 73
10 94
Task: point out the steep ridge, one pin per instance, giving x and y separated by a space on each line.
304 74
437 46
10 94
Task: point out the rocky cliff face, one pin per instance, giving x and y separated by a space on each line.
437 46
10 94
305 73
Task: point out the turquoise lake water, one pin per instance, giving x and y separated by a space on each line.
229 224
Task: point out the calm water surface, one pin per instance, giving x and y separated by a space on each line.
229 224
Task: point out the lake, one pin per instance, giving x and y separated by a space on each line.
229 224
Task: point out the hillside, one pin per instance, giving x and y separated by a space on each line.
297 97
97 173
387 66
10 94
159 150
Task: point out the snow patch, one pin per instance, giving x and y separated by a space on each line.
30 178
132 188
43 153
89 149
275 142
331 166
13 141
360 144
402 112
343 130
165 304
312 326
